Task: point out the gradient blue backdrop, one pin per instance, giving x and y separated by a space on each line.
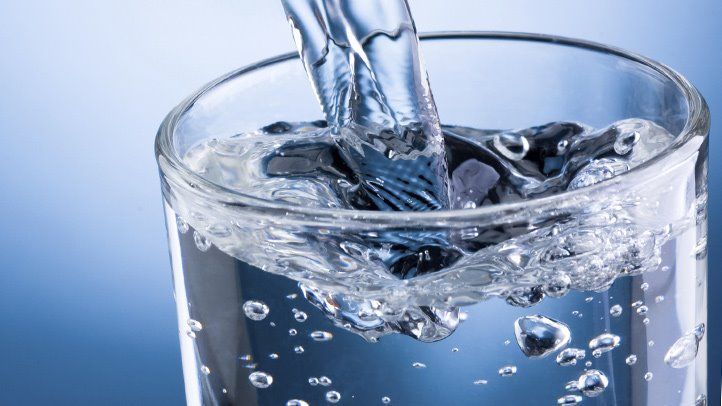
85 287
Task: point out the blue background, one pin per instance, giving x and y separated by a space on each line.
85 287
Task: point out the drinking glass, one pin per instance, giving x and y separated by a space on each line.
267 292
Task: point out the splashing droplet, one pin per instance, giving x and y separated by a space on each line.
592 383
260 379
539 336
255 310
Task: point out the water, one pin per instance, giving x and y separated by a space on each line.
392 302
279 312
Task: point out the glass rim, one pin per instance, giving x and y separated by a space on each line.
697 123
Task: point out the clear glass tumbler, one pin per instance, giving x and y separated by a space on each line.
267 291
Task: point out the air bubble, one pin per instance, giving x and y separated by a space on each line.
631 359
321 336
418 365
386 400
300 316
569 400
570 356
292 332
659 299
592 383
333 396
181 225
507 371
260 379
297 402
684 351
616 310
273 355
298 349
325 381
603 343
644 286
648 376
205 370
201 242
539 336
255 310
481 382
642 310
313 381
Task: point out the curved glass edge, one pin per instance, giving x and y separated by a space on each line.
697 126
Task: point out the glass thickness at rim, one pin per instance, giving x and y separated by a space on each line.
697 123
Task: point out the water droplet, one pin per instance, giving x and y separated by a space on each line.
659 299
631 359
300 316
648 376
202 242
418 365
539 336
570 356
325 381
700 401
644 286
255 310
321 336
603 343
298 349
683 352
273 355
569 400
386 400
181 224
481 382
292 332
205 370
313 381
333 397
297 402
507 371
592 383
260 379
642 310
